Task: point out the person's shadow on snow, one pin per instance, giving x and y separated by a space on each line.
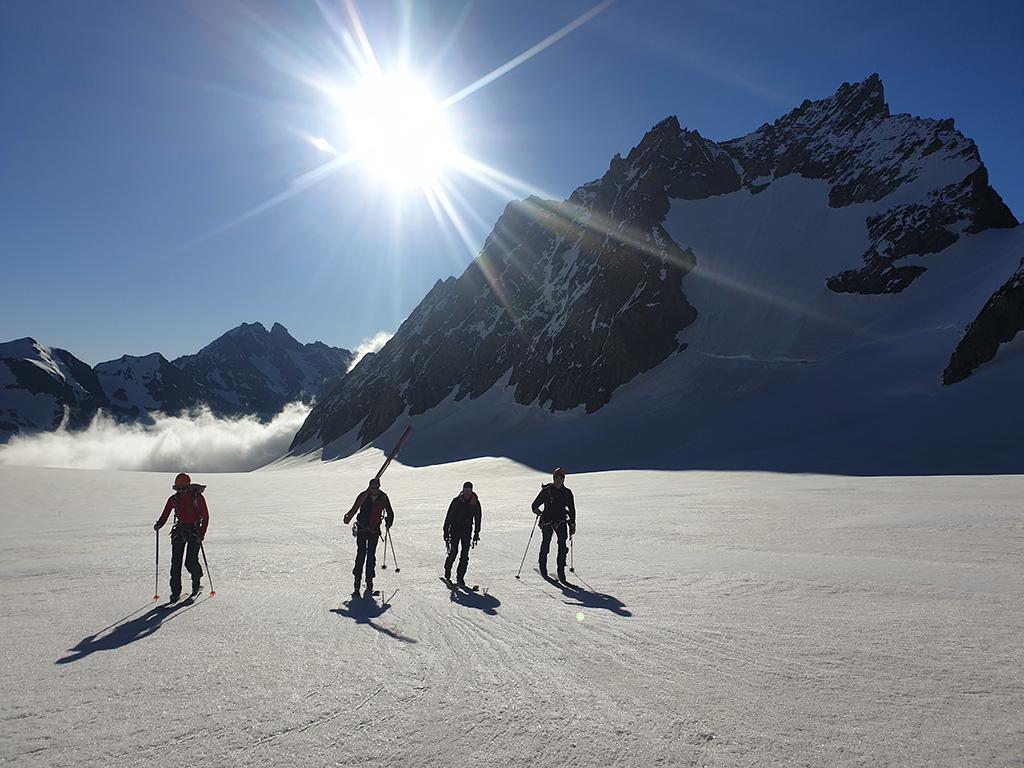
482 601
121 634
588 598
363 610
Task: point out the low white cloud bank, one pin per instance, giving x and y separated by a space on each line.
370 345
193 442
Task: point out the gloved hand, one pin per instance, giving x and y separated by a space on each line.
156 526
348 518
476 540
572 529
387 524
447 539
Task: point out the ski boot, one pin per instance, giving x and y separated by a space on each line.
174 598
197 587
355 587
369 589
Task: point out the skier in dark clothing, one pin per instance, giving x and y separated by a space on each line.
461 523
558 514
371 507
191 520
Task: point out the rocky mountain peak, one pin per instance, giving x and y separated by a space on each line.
568 301
850 108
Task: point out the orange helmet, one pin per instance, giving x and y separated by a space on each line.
182 481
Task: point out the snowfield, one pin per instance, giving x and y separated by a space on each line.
728 619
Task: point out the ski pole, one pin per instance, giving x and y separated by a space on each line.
384 565
207 564
535 519
571 568
393 555
156 569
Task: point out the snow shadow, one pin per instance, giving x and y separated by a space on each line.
363 610
482 601
123 632
590 598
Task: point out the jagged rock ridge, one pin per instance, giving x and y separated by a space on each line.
252 370
247 371
43 387
568 301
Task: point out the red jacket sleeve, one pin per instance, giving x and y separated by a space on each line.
204 515
167 511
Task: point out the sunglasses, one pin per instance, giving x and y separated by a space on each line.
180 487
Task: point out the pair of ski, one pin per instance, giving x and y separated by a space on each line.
455 586
180 602
557 582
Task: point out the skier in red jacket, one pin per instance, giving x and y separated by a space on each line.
191 520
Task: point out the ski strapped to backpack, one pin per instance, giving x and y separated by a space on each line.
387 462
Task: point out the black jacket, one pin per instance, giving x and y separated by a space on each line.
558 504
372 512
462 516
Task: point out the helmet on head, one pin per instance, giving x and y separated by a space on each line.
374 482
182 481
467 486
559 472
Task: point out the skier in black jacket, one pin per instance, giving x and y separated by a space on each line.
558 514
461 523
371 508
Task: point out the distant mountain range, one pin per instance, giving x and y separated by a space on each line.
247 371
836 291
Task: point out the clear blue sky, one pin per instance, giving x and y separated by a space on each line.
131 132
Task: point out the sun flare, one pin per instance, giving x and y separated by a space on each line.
397 130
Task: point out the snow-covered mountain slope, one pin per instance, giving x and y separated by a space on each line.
740 619
138 386
247 371
754 303
253 370
41 387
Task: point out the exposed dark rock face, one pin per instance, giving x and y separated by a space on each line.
999 321
917 229
250 370
42 387
568 301
247 371
866 154
137 386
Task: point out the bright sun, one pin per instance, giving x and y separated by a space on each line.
397 130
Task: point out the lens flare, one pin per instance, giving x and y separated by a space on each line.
397 130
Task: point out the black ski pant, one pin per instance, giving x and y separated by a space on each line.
184 546
458 539
561 530
366 552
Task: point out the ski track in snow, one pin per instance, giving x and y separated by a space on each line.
744 619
